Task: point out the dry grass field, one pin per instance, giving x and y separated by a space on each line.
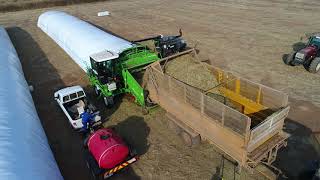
18 5
248 37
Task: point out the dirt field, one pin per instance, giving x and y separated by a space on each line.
4 2
18 5
23 2
246 37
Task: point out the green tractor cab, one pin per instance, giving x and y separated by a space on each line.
110 73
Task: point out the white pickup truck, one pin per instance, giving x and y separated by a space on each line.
73 102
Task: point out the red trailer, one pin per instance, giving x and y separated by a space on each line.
107 153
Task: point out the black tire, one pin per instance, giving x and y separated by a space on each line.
108 101
111 102
314 66
96 91
94 174
85 142
133 152
148 101
95 171
91 171
288 60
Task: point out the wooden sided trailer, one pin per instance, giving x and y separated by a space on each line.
249 128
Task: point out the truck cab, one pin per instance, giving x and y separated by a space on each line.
103 67
73 102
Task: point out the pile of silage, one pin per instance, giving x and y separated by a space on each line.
196 74
187 70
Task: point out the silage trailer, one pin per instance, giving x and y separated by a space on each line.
249 128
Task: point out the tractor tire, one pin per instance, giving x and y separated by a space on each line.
288 60
108 101
97 91
314 66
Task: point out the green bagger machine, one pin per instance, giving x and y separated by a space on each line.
111 73
108 59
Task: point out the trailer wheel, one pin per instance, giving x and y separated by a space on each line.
314 66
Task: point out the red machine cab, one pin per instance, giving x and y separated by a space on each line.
107 148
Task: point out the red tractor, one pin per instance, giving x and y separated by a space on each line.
107 153
307 56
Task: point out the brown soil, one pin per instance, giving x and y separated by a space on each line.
18 5
247 37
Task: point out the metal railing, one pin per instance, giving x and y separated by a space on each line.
206 105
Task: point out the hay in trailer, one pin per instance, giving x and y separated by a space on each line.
191 72
186 69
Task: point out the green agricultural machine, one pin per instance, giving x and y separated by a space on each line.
108 59
111 73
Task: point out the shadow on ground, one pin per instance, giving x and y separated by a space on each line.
39 72
66 144
295 159
135 132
